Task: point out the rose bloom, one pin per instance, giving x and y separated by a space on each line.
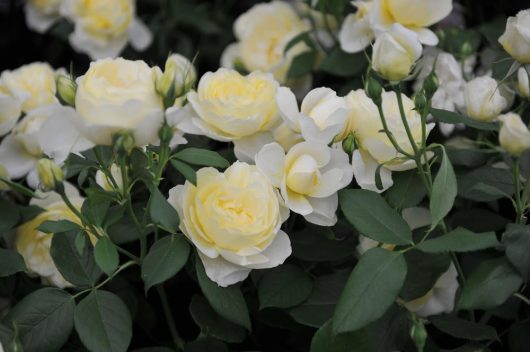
483 99
117 95
42 14
514 135
308 176
34 245
523 83
356 32
234 220
9 113
374 146
104 27
263 32
516 37
33 85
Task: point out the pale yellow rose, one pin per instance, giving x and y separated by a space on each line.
42 14
9 113
483 99
395 53
50 174
34 245
416 15
228 106
374 146
234 220
33 85
119 95
514 135
516 37
308 176
103 27
356 32
263 33
523 83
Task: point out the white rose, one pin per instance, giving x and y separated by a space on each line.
102 28
516 37
483 99
308 177
179 74
395 53
523 84
118 95
374 146
321 117
234 220
263 32
42 14
33 85
356 32
9 113
416 15
514 135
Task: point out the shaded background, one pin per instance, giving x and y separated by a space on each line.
180 26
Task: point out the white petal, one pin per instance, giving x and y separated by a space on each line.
247 148
32 179
230 55
324 210
38 21
140 36
426 36
95 47
15 159
288 107
9 113
222 271
296 202
147 131
276 252
44 199
270 161
364 169
355 34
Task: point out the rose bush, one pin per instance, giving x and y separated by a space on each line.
318 176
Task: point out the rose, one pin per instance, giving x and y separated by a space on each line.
309 177
374 146
395 52
34 245
321 117
523 83
9 113
102 28
42 14
32 85
356 32
263 33
50 174
106 183
483 99
514 135
234 220
416 15
117 95
178 78
516 37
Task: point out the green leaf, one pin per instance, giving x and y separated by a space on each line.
58 226
368 212
228 302
162 213
284 287
407 190
517 242
324 341
186 171
423 270
44 319
18 188
444 190
95 209
459 240
454 118
319 307
340 63
463 329
106 255
9 215
165 258
212 324
10 262
202 157
77 266
500 179
518 337
103 322
203 344
304 37
490 285
302 64
372 288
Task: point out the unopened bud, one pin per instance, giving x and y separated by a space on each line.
106 183
466 49
349 144
178 78
165 133
374 90
50 174
123 143
420 101
430 84
418 334
66 89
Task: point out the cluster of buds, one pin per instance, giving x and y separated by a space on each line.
178 78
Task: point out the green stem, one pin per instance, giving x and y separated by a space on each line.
519 205
390 135
108 279
179 344
522 298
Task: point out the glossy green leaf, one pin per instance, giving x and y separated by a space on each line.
325 341
444 190
186 171
106 255
11 262
284 287
302 64
9 215
463 329
162 213
202 157
454 118
459 240
58 226
517 242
